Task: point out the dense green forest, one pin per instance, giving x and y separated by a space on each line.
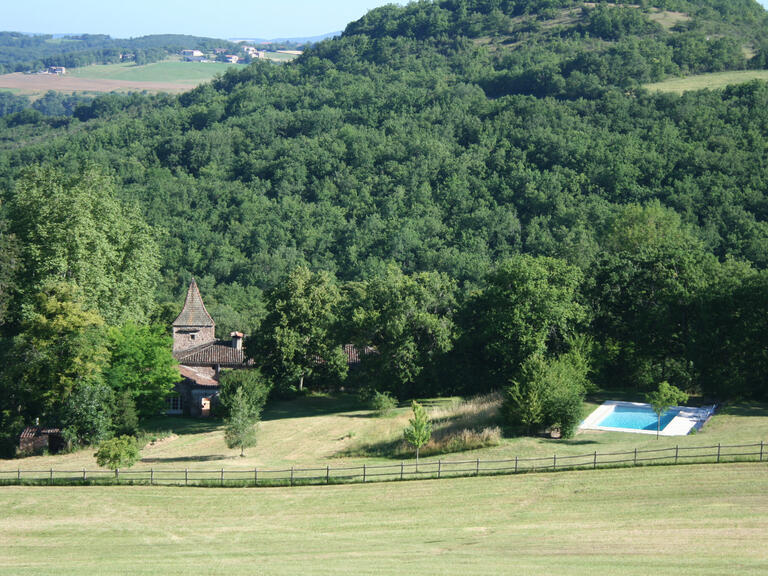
479 189
24 52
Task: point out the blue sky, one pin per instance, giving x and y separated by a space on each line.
239 19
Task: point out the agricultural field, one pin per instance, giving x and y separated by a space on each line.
704 520
339 431
711 81
167 76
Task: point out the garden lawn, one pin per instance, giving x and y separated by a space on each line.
338 431
710 519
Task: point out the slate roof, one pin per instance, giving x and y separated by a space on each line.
216 353
194 313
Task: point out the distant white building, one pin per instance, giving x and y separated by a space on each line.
193 53
232 59
58 70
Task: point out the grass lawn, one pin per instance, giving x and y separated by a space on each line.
704 520
166 71
338 431
711 81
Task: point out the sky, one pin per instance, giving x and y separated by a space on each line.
239 19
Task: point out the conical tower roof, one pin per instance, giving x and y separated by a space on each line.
194 313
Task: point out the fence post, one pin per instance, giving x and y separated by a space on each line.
84 475
761 450
222 476
677 451
439 468
515 464
18 475
117 474
477 468
554 462
51 480
291 475
402 466
255 476
718 452
634 461
151 476
363 473
327 474
594 462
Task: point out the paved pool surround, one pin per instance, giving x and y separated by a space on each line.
681 425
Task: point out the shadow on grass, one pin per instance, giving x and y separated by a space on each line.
180 425
309 406
209 458
744 409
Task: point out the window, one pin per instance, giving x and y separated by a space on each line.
173 404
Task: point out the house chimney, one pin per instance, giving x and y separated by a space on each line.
237 340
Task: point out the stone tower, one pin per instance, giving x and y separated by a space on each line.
194 326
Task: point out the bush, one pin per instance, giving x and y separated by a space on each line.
255 389
121 452
125 419
382 403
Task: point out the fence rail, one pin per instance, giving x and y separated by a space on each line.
425 469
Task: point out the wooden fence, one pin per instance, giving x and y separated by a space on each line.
426 469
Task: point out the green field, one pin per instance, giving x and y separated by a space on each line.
167 71
663 520
708 81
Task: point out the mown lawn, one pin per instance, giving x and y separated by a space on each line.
339 431
704 520
711 81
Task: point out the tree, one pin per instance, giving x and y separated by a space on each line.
420 430
253 385
60 348
240 430
142 364
407 320
73 229
125 419
119 452
664 398
529 306
9 263
87 415
296 339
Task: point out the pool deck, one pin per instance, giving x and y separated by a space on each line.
687 419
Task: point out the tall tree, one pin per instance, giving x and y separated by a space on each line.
240 424
141 364
418 433
663 398
408 322
73 229
298 336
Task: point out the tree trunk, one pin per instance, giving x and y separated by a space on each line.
301 383
658 425
417 459
242 451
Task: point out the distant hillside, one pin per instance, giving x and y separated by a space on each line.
22 52
440 136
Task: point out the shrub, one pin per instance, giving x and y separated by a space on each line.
125 419
254 386
383 403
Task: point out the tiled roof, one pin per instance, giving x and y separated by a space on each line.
32 431
194 312
354 354
212 354
199 379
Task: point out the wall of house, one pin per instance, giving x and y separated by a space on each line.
186 338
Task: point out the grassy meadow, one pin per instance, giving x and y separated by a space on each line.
711 81
339 431
704 520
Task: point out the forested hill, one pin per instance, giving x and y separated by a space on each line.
441 136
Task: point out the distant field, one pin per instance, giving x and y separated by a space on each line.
708 81
703 520
167 76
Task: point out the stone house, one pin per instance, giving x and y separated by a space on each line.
201 357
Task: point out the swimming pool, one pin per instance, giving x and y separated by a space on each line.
618 416
637 417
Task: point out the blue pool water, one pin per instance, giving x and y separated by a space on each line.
637 418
